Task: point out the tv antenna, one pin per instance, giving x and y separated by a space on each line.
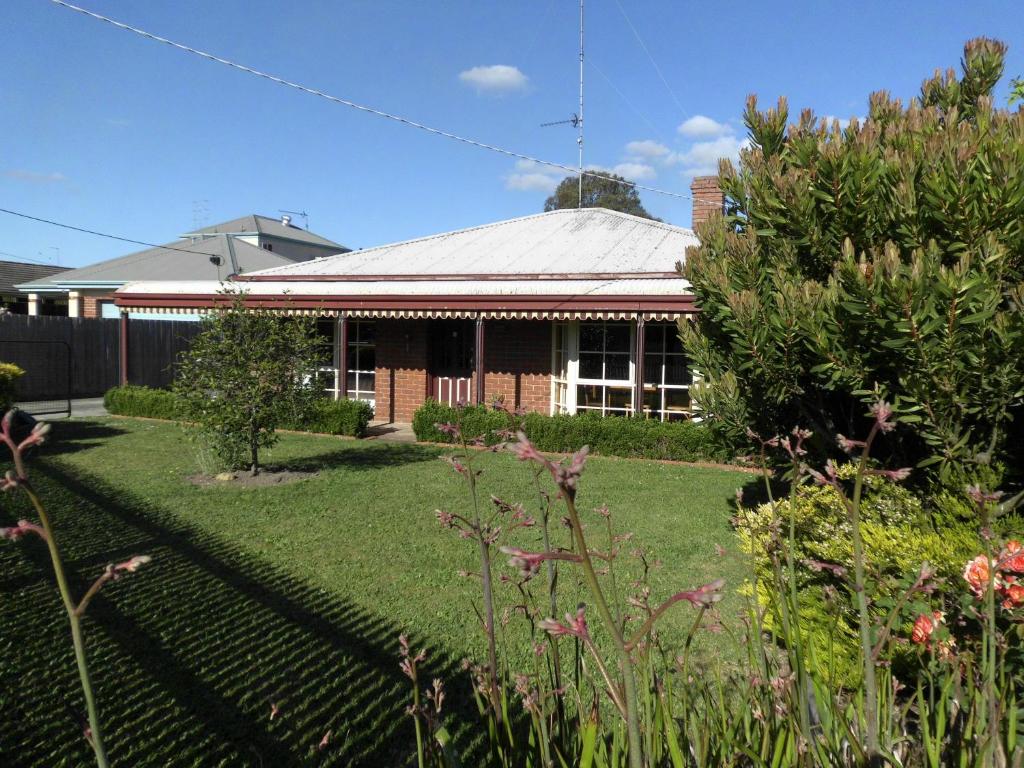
303 214
576 121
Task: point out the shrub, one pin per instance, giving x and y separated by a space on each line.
9 375
336 417
131 400
898 533
608 435
880 257
330 417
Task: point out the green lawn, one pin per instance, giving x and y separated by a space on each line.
293 594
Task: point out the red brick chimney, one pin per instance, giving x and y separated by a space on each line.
708 198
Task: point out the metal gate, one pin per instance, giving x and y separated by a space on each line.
45 388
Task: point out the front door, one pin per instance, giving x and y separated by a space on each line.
451 361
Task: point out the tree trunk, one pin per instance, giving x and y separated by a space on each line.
254 452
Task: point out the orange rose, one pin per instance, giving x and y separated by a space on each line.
976 574
1012 557
924 626
1013 594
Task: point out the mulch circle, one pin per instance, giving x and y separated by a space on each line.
245 480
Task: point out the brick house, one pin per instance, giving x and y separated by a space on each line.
561 312
245 244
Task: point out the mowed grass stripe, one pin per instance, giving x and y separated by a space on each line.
292 594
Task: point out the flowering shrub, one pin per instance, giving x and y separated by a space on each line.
604 688
898 537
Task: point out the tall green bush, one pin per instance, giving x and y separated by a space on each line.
880 259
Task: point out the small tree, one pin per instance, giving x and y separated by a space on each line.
613 193
246 372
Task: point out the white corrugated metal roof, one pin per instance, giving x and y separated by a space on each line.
567 241
426 288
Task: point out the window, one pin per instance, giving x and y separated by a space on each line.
667 376
604 378
593 368
560 356
362 360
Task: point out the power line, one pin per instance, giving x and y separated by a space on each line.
651 57
103 234
362 108
29 260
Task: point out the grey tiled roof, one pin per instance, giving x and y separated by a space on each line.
188 261
265 225
14 272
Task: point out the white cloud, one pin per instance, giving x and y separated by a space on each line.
702 158
647 148
532 182
635 171
35 177
702 127
496 78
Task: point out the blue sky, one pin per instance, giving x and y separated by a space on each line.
106 130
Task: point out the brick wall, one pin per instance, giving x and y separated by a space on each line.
401 375
89 303
707 198
517 363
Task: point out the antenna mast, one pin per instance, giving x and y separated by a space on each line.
579 122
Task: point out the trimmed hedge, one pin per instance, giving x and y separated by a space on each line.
331 417
337 417
130 400
608 435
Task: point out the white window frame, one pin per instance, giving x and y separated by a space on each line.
661 413
355 340
571 380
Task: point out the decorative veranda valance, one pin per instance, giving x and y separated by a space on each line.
414 314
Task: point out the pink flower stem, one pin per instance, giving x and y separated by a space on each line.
73 616
636 759
870 683
487 585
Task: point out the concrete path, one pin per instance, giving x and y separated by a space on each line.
84 408
390 430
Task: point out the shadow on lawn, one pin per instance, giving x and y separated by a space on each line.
190 653
361 456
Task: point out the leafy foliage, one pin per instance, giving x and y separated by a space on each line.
9 375
608 436
329 417
899 535
884 258
246 374
615 195
336 417
133 400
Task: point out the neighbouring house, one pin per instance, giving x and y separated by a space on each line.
569 311
235 247
13 273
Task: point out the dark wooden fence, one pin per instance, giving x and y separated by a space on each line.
89 364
